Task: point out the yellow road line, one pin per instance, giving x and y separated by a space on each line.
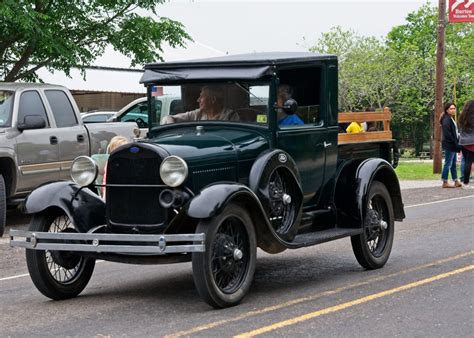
355 302
311 298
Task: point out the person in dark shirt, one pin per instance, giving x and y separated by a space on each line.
450 145
284 93
466 140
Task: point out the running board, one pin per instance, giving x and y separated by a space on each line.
317 237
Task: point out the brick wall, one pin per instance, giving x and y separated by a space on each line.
90 100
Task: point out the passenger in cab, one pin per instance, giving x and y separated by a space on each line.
211 107
285 93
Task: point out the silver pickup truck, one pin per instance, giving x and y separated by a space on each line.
41 132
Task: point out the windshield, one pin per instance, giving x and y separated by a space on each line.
6 105
230 101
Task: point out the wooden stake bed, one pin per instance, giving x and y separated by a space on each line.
382 135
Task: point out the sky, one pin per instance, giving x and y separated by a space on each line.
220 27
253 26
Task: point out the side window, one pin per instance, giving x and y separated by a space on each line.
95 118
62 109
31 104
140 110
304 86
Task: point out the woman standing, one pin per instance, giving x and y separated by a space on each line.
450 145
466 139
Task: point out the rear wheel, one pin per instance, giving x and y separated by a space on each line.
223 273
3 206
57 274
372 248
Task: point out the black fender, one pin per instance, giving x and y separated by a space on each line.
85 209
212 200
379 170
259 177
353 183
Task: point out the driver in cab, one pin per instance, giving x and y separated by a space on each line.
211 107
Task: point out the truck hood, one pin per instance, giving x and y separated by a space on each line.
212 145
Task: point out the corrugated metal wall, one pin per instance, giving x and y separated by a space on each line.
91 100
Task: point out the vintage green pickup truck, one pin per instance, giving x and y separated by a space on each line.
266 172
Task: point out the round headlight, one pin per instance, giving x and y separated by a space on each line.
84 170
173 171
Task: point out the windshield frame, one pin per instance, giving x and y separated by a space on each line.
237 82
8 113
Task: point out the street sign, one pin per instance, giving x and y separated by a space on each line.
461 11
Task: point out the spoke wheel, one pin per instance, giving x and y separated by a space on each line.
372 248
224 272
57 274
281 211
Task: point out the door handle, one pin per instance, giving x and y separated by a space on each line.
80 138
53 140
327 144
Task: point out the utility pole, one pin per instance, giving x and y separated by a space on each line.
439 86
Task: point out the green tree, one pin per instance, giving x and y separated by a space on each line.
363 69
412 47
399 71
62 34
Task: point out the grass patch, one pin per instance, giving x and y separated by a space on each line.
416 171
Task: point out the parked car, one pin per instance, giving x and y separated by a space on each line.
137 110
41 133
211 192
97 117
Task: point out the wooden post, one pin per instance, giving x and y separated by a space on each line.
439 86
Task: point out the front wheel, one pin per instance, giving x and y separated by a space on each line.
224 272
57 274
372 248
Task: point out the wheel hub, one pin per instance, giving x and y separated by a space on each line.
228 253
238 254
66 259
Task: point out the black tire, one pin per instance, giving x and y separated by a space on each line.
72 272
224 273
372 248
3 206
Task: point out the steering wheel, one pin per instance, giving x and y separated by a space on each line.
141 123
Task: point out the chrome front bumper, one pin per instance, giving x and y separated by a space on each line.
95 242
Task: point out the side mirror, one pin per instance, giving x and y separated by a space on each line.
31 122
290 106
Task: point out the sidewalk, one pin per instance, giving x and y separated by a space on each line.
412 184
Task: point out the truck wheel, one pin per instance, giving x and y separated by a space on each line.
57 274
224 272
372 248
282 212
3 206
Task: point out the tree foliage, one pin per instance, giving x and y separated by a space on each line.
62 34
399 70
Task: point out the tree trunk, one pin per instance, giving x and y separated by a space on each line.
439 86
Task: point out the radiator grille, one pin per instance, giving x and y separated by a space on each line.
134 205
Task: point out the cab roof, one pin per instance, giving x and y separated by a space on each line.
241 66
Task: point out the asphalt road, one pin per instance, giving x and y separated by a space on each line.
426 288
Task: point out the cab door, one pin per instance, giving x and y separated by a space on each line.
307 145
72 137
37 149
